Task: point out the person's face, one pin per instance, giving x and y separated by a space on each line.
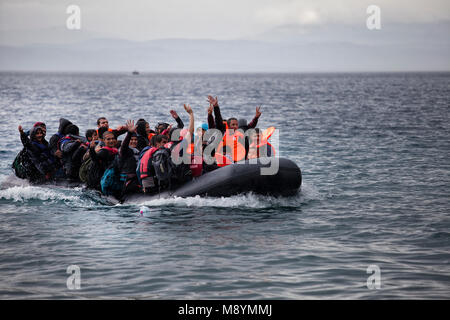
147 128
44 130
133 142
94 136
160 129
39 135
256 137
103 123
234 125
110 140
162 143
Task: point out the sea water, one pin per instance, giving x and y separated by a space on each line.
371 220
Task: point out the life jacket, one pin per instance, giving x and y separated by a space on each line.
158 162
196 164
109 129
112 151
268 133
150 135
261 145
138 167
145 164
235 148
190 149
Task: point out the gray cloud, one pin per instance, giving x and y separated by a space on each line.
231 19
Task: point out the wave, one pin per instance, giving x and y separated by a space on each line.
25 193
244 201
19 190
22 194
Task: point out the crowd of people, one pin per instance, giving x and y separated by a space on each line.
145 160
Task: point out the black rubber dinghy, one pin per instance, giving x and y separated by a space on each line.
237 178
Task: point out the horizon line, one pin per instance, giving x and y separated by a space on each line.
224 72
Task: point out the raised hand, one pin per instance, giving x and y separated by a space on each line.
130 126
188 109
258 113
174 114
20 129
210 109
213 101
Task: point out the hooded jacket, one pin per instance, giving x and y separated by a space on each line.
142 135
63 123
72 154
38 153
128 157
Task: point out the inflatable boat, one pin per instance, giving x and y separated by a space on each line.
237 178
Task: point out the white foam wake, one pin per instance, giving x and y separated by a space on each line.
24 193
245 201
242 201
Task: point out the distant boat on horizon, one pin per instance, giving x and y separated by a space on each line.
135 72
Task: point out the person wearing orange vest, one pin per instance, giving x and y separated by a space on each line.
145 169
103 122
234 124
161 141
234 141
259 146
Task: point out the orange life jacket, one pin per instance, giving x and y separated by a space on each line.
145 162
235 148
109 129
266 134
258 147
196 165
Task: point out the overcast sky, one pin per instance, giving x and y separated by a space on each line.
213 19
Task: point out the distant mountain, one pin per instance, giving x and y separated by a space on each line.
389 34
54 35
284 49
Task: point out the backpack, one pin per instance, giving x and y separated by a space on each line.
17 165
112 182
84 170
94 175
24 167
163 165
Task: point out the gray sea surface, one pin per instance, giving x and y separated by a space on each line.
374 149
